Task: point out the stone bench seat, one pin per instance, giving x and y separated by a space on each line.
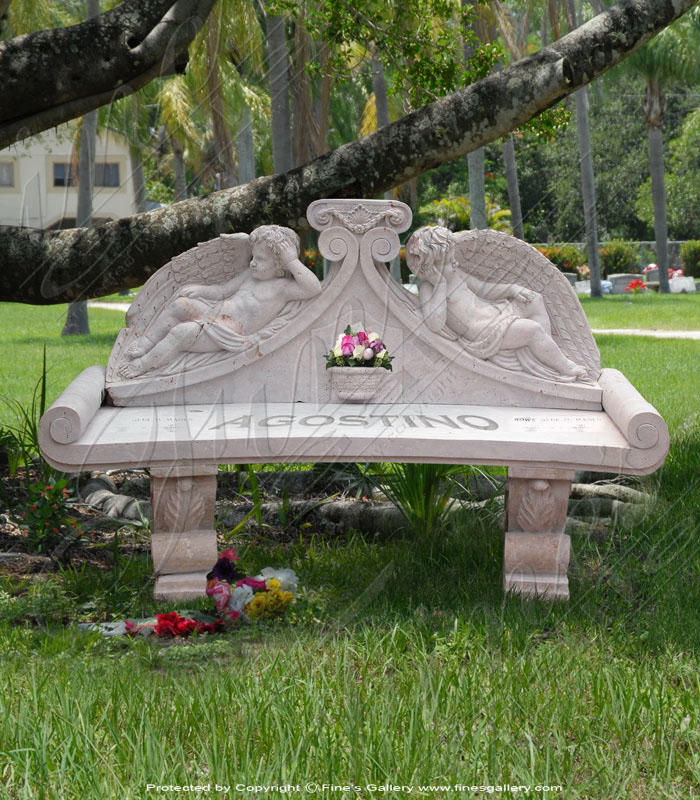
183 446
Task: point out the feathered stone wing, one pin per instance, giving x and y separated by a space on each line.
498 258
215 261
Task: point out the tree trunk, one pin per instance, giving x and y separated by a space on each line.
223 142
137 178
246 148
590 218
381 103
511 170
278 78
61 266
77 322
179 168
654 107
588 190
477 189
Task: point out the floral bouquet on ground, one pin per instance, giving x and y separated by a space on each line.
236 598
266 595
361 349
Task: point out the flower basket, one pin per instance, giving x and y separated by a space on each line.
356 384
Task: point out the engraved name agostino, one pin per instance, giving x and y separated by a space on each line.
404 421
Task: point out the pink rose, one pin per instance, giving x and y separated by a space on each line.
230 554
254 584
220 591
347 345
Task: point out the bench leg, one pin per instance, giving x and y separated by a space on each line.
183 541
536 552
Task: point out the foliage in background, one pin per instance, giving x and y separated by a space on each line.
453 212
549 173
616 257
690 258
422 41
566 257
682 179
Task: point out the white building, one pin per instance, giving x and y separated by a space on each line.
38 180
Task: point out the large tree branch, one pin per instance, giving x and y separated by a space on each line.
54 75
58 266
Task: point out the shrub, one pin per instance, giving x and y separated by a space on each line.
45 519
690 257
616 257
566 257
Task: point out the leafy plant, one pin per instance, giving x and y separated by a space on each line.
565 257
45 519
616 257
423 492
690 257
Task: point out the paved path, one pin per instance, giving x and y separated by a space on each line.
659 334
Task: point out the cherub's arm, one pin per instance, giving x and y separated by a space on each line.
216 291
433 301
305 283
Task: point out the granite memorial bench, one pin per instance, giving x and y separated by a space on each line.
223 361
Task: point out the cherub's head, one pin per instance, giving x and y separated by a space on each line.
428 250
274 248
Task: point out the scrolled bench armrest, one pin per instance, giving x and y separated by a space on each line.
638 421
67 418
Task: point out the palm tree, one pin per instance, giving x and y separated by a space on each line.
176 106
668 58
77 322
590 217
278 78
229 47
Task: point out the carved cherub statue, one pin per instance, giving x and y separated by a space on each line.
491 320
216 317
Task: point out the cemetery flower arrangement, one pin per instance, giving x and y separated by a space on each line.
636 287
359 349
236 599
672 273
266 595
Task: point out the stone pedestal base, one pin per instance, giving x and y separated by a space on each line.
182 586
183 542
536 552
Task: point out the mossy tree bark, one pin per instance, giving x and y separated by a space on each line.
51 76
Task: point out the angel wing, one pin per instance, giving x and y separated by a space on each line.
215 261
498 258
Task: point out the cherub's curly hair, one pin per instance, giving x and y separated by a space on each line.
425 244
275 237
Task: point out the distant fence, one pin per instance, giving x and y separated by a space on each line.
646 250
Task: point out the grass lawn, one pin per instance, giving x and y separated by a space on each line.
402 663
674 312
24 330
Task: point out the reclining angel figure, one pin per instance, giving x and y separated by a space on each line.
222 316
494 321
